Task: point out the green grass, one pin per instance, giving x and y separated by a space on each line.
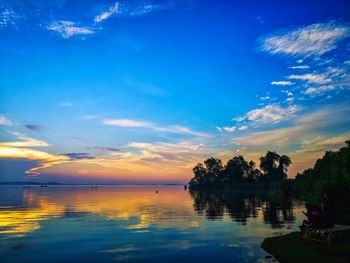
291 248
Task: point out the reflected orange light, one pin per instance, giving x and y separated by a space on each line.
120 203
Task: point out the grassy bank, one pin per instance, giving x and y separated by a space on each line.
291 248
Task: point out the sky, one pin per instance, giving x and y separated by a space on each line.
140 91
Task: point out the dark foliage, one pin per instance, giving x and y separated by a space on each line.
240 173
331 175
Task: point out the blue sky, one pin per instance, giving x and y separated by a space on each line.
124 91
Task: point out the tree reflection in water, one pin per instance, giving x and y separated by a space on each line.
276 210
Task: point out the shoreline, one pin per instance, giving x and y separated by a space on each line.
291 248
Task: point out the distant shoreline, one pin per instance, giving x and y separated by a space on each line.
87 184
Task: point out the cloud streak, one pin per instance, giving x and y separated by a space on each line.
24 141
107 14
282 83
315 39
311 78
269 114
68 29
137 8
176 129
299 67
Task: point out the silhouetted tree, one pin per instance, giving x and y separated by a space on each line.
214 165
239 172
274 166
283 163
237 169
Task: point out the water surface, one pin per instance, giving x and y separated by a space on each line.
137 224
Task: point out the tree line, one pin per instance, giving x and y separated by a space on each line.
330 174
332 169
238 172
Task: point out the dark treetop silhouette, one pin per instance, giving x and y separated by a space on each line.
238 172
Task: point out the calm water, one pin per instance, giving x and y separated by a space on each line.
136 224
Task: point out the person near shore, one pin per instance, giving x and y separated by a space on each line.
314 217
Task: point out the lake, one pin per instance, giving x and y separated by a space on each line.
138 224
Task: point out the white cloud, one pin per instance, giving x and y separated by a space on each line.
311 78
105 15
228 129
265 98
182 153
176 129
8 17
288 93
300 67
238 119
273 113
315 39
143 9
127 123
315 91
5 121
67 29
243 128
282 83
128 9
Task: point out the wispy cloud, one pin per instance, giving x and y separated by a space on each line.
24 141
311 78
103 149
265 98
243 128
5 121
316 39
67 29
9 17
129 9
182 152
305 126
177 129
300 67
227 129
323 143
107 14
317 91
282 83
144 9
273 113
